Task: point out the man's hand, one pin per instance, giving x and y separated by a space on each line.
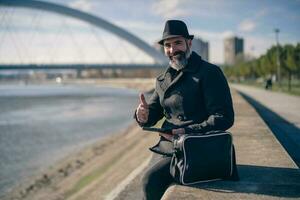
142 112
178 131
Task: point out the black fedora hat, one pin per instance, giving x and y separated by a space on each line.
175 28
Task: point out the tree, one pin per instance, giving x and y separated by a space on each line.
289 59
266 64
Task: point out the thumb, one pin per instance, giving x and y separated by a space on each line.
143 100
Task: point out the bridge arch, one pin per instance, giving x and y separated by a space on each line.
92 19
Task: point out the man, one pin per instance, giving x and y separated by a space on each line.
192 95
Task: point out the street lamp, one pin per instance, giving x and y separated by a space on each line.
278 59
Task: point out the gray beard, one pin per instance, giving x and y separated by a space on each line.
181 62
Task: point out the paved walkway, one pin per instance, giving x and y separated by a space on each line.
282 114
287 106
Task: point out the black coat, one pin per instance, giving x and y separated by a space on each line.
197 99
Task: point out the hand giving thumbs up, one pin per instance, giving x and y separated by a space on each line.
142 111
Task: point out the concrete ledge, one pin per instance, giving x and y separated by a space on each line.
266 170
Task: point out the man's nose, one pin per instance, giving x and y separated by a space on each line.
172 49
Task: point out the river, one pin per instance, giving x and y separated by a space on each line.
40 124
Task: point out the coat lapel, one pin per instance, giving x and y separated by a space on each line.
175 80
164 81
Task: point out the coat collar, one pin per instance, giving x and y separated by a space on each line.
192 66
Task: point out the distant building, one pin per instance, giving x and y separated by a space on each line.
233 50
201 47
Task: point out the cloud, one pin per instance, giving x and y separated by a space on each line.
227 33
189 8
140 25
169 9
261 13
148 31
85 5
256 45
212 35
246 25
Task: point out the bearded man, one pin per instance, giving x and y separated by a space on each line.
192 95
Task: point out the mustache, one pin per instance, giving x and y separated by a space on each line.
180 53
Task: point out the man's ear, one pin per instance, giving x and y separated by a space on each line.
189 42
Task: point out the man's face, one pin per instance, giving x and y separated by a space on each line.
177 49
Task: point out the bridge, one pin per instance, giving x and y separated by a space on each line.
79 66
158 58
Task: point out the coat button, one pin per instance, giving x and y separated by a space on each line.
180 117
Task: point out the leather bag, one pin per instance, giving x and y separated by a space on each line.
203 157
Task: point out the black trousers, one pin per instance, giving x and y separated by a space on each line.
157 178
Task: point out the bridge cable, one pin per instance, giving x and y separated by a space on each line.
119 50
124 50
38 31
5 16
2 20
13 39
36 23
102 43
73 39
23 45
55 45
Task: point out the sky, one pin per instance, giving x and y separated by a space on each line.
211 21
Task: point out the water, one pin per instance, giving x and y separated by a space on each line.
42 124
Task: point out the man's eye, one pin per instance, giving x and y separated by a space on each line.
178 42
167 45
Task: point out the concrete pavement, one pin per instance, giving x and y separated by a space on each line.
287 106
281 112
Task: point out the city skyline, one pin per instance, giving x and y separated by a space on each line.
212 21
